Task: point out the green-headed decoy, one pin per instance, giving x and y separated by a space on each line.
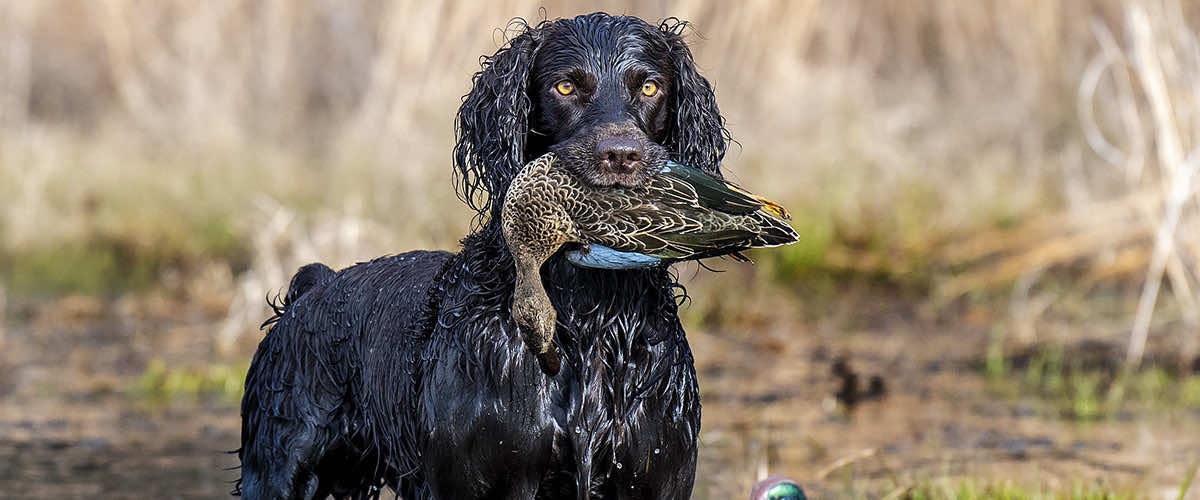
777 488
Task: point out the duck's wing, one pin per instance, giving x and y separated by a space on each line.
681 214
632 220
683 233
621 228
719 194
730 235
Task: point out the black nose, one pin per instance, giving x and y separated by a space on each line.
619 154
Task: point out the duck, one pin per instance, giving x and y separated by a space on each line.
680 213
777 487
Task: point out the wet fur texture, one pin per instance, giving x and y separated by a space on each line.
407 371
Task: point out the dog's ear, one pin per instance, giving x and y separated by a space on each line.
696 133
492 123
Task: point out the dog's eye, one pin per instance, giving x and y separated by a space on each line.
565 87
649 88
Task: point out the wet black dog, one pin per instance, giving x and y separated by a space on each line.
407 371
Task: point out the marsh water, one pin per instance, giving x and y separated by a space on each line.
88 408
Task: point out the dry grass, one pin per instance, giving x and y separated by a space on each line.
932 140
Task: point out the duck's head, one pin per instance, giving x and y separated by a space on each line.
777 488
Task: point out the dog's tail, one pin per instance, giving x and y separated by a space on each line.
304 280
307 277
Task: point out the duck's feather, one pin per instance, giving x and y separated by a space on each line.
719 194
684 232
712 193
602 257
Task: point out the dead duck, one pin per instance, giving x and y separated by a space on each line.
680 213
777 488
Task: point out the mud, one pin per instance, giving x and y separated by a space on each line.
859 411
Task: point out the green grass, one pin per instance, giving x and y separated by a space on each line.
891 252
808 254
160 383
1081 387
121 259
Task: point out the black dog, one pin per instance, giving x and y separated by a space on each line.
407 371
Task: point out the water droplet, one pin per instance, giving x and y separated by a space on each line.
578 429
619 465
502 441
657 451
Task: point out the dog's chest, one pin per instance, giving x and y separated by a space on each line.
624 405
630 400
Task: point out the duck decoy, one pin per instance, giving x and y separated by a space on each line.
680 213
777 488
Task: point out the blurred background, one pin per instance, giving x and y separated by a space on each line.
995 292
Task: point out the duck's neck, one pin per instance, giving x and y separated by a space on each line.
586 299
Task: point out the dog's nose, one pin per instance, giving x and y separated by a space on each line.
619 154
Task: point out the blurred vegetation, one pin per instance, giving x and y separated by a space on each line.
1085 381
160 384
971 490
1000 152
144 137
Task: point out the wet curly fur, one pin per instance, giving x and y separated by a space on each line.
407 371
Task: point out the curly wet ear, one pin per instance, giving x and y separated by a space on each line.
492 123
697 134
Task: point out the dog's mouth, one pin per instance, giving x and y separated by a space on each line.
612 156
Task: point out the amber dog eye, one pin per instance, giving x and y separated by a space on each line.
565 87
649 88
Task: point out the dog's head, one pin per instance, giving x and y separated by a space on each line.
614 97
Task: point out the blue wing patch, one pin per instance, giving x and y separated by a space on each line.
602 257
